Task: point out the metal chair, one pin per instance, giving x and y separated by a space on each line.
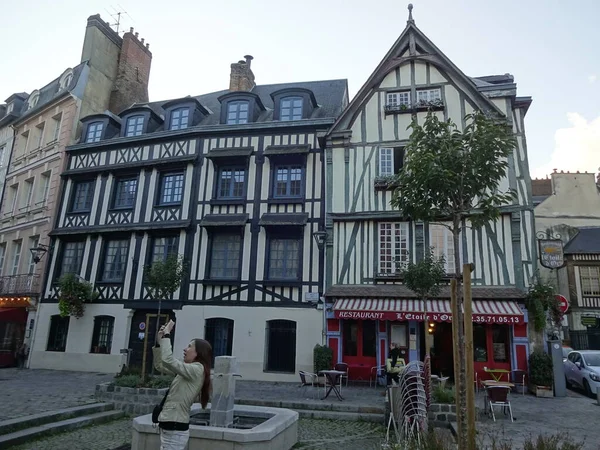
342 367
377 374
498 396
517 377
309 379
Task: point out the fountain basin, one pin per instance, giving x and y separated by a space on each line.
259 428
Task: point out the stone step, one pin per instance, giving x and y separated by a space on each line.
20 423
339 415
27 434
314 405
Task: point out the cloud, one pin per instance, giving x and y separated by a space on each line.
592 78
575 148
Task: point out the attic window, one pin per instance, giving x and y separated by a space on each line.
33 100
179 119
65 80
9 108
429 95
398 99
237 112
291 108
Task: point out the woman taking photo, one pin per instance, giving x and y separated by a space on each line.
192 380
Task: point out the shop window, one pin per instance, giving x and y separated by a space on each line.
281 346
479 343
350 337
219 333
500 342
59 329
102 336
369 338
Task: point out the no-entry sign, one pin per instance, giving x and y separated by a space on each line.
563 303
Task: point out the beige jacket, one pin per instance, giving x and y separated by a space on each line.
185 387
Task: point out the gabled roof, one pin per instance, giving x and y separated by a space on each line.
420 48
585 242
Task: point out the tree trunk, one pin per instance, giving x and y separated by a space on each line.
460 378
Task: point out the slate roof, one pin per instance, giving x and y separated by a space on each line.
330 95
399 290
585 242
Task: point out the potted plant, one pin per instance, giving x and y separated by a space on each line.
541 376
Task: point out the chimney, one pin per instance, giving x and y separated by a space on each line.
133 73
242 78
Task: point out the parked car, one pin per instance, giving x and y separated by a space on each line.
582 369
565 351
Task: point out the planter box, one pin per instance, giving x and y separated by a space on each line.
542 391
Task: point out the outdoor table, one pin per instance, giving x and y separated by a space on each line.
497 373
332 376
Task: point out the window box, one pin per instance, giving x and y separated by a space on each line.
387 182
420 106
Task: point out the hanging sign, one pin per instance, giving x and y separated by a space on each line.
551 253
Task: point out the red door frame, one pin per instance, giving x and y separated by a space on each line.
359 366
490 363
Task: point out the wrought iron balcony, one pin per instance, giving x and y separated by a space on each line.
19 285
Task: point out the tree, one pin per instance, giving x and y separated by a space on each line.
74 293
543 307
453 176
424 278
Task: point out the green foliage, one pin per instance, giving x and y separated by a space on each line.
555 442
454 174
443 395
131 381
162 278
136 381
540 369
322 358
74 293
127 370
159 381
541 298
424 277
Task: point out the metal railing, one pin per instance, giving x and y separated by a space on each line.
23 284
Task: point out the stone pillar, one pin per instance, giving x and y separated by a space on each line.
223 395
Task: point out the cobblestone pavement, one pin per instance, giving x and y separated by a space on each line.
107 436
26 392
336 434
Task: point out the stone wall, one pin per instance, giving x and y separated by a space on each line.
442 413
137 401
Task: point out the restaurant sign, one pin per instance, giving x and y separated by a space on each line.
420 317
551 253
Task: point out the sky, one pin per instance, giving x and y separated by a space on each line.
551 47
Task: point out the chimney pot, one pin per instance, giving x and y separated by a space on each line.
131 29
136 34
148 45
248 59
142 40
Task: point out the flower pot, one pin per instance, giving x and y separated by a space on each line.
542 391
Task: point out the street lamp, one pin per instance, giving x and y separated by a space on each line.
38 252
320 238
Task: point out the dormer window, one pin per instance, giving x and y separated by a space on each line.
237 112
33 100
291 108
179 119
135 126
9 108
65 80
94 132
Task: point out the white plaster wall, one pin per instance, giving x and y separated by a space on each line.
575 201
249 335
77 355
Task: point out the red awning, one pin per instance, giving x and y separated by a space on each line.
484 311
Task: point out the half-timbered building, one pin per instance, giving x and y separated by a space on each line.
234 182
367 240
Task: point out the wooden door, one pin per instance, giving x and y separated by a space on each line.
359 347
143 337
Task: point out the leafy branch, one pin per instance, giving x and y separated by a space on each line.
74 293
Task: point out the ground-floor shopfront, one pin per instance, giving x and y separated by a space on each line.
14 328
360 330
270 343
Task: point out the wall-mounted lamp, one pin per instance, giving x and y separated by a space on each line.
431 328
38 252
320 238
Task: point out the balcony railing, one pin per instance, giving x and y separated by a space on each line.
17 285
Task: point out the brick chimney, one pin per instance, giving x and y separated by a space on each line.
242 78
133 73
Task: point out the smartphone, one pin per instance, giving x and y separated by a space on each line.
169 326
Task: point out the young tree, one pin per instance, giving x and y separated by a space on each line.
452 175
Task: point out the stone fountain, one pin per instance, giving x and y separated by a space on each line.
224 425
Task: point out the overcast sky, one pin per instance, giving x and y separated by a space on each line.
550 46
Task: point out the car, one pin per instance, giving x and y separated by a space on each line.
565 352
582 369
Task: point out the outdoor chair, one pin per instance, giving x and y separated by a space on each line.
342 367
498 396
517 377
377 375
311 380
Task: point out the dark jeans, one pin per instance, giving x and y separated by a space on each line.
392 376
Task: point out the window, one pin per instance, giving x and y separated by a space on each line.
429 95
225 256
179 119
171 188
72 257
33 100
115 260
16 256
44 188
284 259
28 192
237 112
281 346
33 243
24 142
231 182
291 108
40 135
125 192
94 132
2 152
14 195
164 247
83 194
288 181
57 338
501 343
398 99
391 160
65 81
479 343
102 335
350 337
590 280
2 257
441 239
57 121
10 108
135 126
219 333
393 247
